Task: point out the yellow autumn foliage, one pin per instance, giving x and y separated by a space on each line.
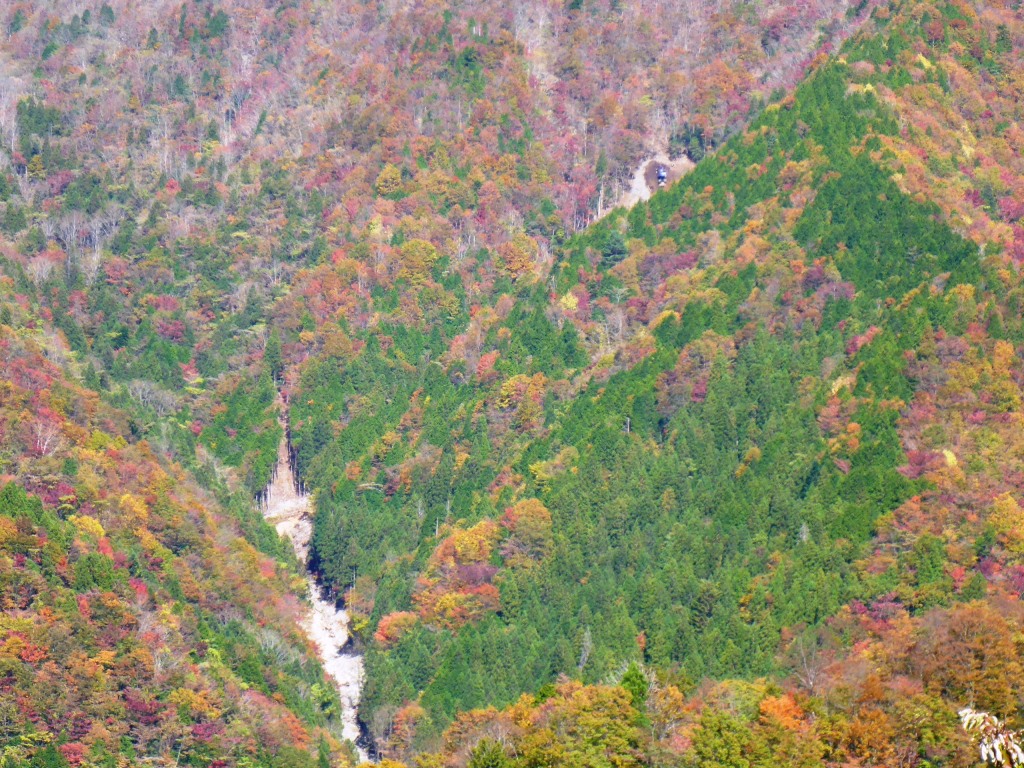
1008 520
88 526
133 509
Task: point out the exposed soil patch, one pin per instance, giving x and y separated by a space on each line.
645 178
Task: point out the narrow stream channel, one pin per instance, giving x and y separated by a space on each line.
287 508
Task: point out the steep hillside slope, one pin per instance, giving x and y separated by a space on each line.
784 390
138 622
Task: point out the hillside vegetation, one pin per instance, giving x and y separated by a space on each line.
140 616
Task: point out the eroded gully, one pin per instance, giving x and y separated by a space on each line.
287 508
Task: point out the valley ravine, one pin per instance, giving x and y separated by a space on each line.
287 508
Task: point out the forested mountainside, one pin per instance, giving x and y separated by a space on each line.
730 478
760 427
182 177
